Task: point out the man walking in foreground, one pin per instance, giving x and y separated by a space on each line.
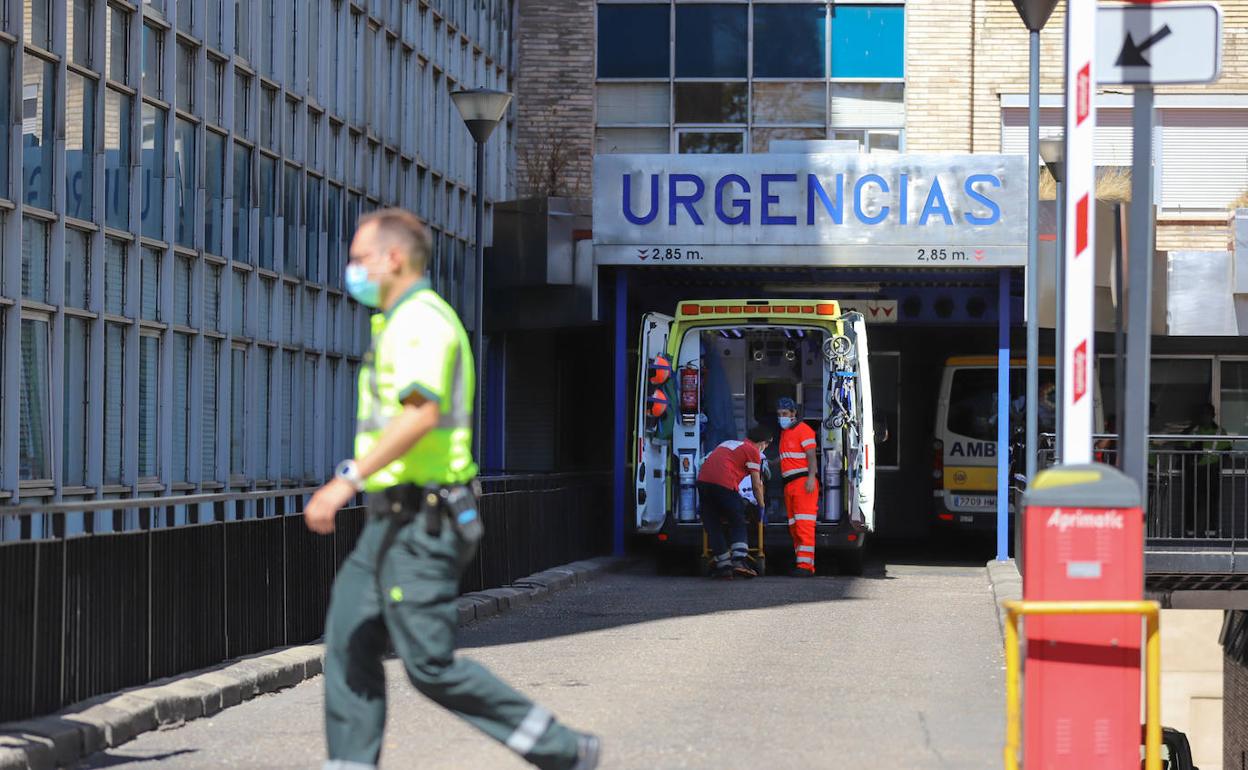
413 457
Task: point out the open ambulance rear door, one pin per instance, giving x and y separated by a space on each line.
864 458
652 455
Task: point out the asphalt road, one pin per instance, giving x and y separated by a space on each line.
901 668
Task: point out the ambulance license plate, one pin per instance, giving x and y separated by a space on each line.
978 502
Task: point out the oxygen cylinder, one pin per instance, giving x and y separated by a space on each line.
832 480
688 508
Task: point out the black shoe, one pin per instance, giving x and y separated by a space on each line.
803 573
742 567
588 749
722 572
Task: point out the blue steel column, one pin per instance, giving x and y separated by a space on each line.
1003 412
619 447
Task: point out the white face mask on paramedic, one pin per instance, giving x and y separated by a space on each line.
786 422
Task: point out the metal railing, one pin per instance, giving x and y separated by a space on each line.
1197 485
92 613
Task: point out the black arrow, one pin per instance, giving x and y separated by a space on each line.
1132 55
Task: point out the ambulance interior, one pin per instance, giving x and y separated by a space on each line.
744 371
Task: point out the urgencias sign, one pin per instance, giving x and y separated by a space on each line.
956 210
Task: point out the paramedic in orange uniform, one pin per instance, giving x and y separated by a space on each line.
801 487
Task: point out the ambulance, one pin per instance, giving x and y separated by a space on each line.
964 448
719 366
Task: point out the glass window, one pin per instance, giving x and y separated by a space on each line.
292 121
314 139
238 410
710 142
632 103
265 383
268 215
116 159
149 405
711 102
183 268
293 34
868 104
184 78
268 28
117 23
77 268
790 41
212 102
79 31
973 404
1233 415
181 405
238 302
312 213
35 259
184 171
212 297
633 41
214 182
79 145
292 310
761 139
266 309
38 128
6 51
37 23
114 390
242 203
215 8
114 277
333 231
153 50
790 103
309 416
242 33
288 385
35 424
310 299
868 41
293 196
186 14
711 40
77 385
242 103
1179 387
208 417
268 105
158 5
149 285
153 160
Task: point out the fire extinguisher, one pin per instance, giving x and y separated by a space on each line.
689 395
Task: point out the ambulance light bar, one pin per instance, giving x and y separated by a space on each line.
758 308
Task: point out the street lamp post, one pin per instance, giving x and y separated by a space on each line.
1053 151
1035 14
481 110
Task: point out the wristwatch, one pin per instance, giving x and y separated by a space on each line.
349 472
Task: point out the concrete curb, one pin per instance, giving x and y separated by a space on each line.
1006 585
108 721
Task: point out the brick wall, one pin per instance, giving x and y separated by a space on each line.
939 35
554 97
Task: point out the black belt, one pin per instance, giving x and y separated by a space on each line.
795 473
401 503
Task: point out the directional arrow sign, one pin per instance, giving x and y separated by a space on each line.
1158 43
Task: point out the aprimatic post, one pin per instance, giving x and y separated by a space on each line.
1083 544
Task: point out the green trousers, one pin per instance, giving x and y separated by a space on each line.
408 599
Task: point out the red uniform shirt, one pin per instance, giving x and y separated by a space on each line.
729 463
794 444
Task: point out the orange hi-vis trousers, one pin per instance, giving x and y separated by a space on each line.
803 508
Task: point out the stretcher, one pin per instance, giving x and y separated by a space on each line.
755 519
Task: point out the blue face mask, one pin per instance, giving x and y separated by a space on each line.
786 422
365 290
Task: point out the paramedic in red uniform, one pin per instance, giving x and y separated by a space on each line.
801 487
721 506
